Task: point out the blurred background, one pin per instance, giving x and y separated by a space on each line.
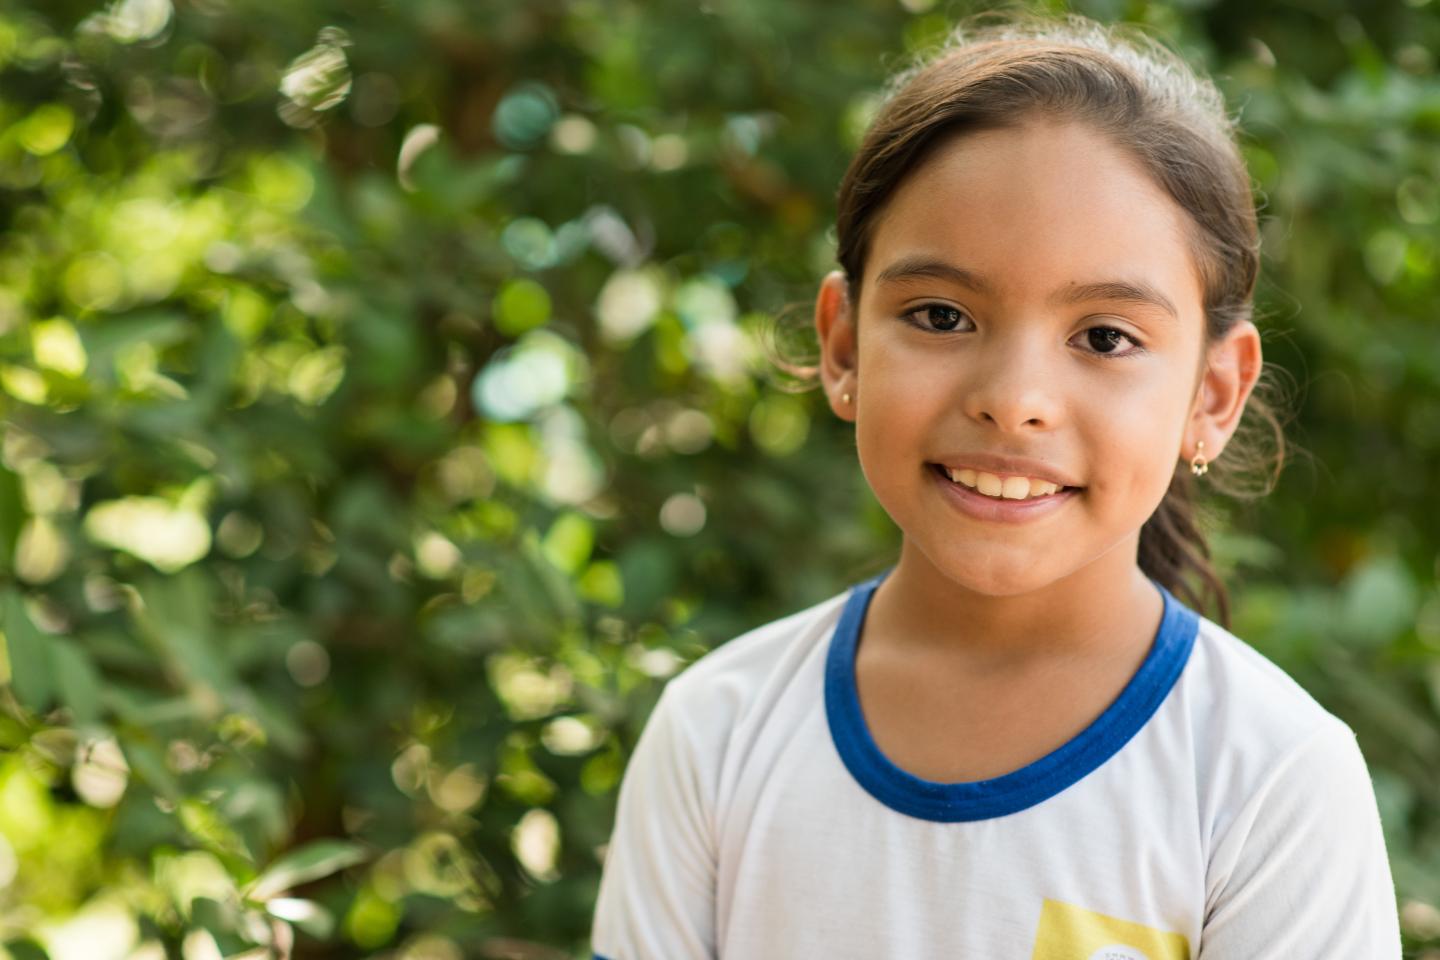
387 415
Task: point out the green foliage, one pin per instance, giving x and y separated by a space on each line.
385 421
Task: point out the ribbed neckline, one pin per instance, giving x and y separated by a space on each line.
1019 789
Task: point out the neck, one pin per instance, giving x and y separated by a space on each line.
1102 609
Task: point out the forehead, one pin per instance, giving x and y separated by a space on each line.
1035 208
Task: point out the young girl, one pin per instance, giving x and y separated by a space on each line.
1016 742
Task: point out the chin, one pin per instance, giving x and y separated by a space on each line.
990 573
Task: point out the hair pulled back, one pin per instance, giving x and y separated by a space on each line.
1129 87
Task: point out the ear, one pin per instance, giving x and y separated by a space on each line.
835 324
1232 368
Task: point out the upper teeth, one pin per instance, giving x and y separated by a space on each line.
1007 488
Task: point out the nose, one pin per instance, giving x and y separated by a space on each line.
1013 384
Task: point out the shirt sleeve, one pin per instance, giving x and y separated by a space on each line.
1303 870
657 887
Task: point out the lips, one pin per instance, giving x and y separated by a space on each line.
1001 486
978 506
1006 466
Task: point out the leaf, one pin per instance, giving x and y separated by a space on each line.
305 914
12 517
217 834
1377 602
148 764
178 623
310 862
25 949
29 653
77 681
158 329
569 541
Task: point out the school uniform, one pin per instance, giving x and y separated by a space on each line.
1214 811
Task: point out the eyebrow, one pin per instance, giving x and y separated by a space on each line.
1128 291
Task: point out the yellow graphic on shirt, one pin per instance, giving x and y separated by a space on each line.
1068 932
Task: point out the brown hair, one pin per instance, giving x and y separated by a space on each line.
1134 90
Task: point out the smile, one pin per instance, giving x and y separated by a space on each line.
1037 500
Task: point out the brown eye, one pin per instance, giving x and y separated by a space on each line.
934 317
1104 340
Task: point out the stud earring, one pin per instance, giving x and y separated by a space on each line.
1198 464
845 399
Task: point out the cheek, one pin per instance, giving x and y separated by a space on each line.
892 435
898 388
1131 454
900 416
904 378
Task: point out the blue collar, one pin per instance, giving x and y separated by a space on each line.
1014 791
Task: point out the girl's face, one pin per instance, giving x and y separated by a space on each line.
1029 293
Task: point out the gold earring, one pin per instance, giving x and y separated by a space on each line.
1198 465
845 399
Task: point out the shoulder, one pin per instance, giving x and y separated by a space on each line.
744 662
1294 830
1247 702
715 692
1262 741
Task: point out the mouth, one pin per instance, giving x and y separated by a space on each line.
1026 497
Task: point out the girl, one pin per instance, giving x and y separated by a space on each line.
1017 742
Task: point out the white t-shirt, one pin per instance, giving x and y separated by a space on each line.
1214 810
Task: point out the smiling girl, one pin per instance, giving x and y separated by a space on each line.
1017 742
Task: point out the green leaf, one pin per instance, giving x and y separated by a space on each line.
569 541
77 680
205 824
305 914
177 622
25 949
149 765
601 583
521 305
1377 601
12 517
29 653
310 862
